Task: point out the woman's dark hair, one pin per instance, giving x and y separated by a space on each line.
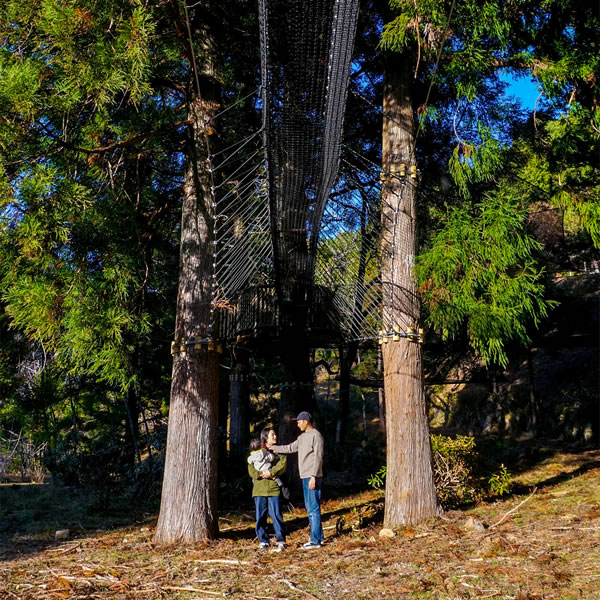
264 434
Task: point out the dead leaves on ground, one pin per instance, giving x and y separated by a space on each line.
545 548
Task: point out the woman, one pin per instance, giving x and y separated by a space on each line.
265 492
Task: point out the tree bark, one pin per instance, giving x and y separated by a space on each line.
188 509
410 491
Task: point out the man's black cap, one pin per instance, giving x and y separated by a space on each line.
303 416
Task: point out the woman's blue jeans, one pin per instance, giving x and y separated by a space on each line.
268 504
312 502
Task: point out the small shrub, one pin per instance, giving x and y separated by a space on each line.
147 480
20 458
499 483
377 481
457 470
453 464
102 469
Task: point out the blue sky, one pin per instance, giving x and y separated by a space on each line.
524 88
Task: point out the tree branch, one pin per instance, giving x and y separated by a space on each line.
120 144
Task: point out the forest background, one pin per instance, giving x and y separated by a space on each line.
94 143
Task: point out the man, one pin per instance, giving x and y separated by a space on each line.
309 447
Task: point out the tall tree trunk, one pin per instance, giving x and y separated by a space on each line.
188 510
410 491
222 422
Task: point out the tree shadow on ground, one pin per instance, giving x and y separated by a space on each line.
30 516
556 479
522 455
575 461
361 513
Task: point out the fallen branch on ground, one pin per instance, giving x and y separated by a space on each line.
294 587
175 588
223 561
514 509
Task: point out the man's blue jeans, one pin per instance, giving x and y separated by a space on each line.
312 502
270 504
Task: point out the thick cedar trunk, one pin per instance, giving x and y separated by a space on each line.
410 492
188 509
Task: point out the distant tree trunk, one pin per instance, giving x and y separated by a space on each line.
347 359
132 409
349 354
381 402
239 395
533 420
188 510
410 491
222 421
493 379
298 388
380 393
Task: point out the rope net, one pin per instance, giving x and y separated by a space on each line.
298 217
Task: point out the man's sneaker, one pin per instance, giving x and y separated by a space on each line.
311 546
263 546
279 547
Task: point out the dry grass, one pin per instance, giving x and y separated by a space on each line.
532 546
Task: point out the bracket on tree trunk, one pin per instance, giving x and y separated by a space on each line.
396 334
398 171
185 345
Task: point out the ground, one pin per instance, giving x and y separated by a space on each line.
542 542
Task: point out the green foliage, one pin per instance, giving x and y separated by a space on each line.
479 272
377 481
460 477
500 482
572 146
84 242
475 163
394 33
